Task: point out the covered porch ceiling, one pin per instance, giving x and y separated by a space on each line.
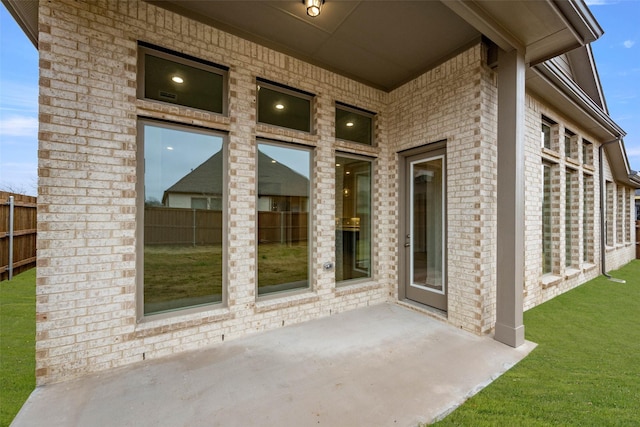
383 43
387 43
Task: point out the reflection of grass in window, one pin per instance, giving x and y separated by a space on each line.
282 263
175 272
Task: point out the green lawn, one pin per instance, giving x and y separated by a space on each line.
585 370
17 348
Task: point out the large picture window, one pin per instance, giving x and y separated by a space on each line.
571 218
183 189
587 219
284 204
353 218
547 244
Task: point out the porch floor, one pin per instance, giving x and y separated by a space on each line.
377 366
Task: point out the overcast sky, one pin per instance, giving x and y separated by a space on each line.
617 55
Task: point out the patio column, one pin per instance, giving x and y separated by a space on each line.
510 239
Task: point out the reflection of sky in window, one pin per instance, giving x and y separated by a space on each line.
170 154
293 158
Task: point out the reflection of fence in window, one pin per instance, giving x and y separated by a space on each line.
175 226
195 227
282 227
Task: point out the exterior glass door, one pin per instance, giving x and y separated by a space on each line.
426 224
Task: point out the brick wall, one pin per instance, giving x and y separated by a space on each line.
87 314
86 305
457 102
538 287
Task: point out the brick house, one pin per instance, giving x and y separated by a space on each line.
458 159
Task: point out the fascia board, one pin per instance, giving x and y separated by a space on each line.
25 13
580 18
581 28
482 21
619 164
554 76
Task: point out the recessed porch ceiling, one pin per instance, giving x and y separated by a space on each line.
383 44
387 43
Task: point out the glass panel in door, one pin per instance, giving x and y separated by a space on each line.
426 234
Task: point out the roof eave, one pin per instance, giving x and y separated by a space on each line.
25 13
557 80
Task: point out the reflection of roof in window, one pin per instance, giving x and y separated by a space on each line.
275 179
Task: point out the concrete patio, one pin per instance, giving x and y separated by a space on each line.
378 366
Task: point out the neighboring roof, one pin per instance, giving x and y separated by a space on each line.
274 179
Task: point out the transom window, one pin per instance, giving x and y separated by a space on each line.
354 124
545 132
587 152
171 77
282 106
182 242
570 148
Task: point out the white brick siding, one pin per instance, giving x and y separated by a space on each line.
86 287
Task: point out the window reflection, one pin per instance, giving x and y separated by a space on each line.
283 218
355 126
285 108
353 218
183 194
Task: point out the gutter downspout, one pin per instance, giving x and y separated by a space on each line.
603 236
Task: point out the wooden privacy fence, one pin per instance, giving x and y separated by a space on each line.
18 224
177 226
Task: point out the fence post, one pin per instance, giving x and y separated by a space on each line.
194 228
11 206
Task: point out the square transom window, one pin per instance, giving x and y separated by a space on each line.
285 107
353 124
170 77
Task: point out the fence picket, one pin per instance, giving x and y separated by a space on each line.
24 234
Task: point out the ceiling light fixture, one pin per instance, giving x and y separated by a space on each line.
313 7
177 79
279 107
349 124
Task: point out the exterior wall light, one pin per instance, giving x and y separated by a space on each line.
313 7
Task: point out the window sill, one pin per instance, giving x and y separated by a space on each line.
172 321
549 280
264 130
587 266
357 148
277 302
550 154
181 114
353 288
571 272
589 167
573 162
